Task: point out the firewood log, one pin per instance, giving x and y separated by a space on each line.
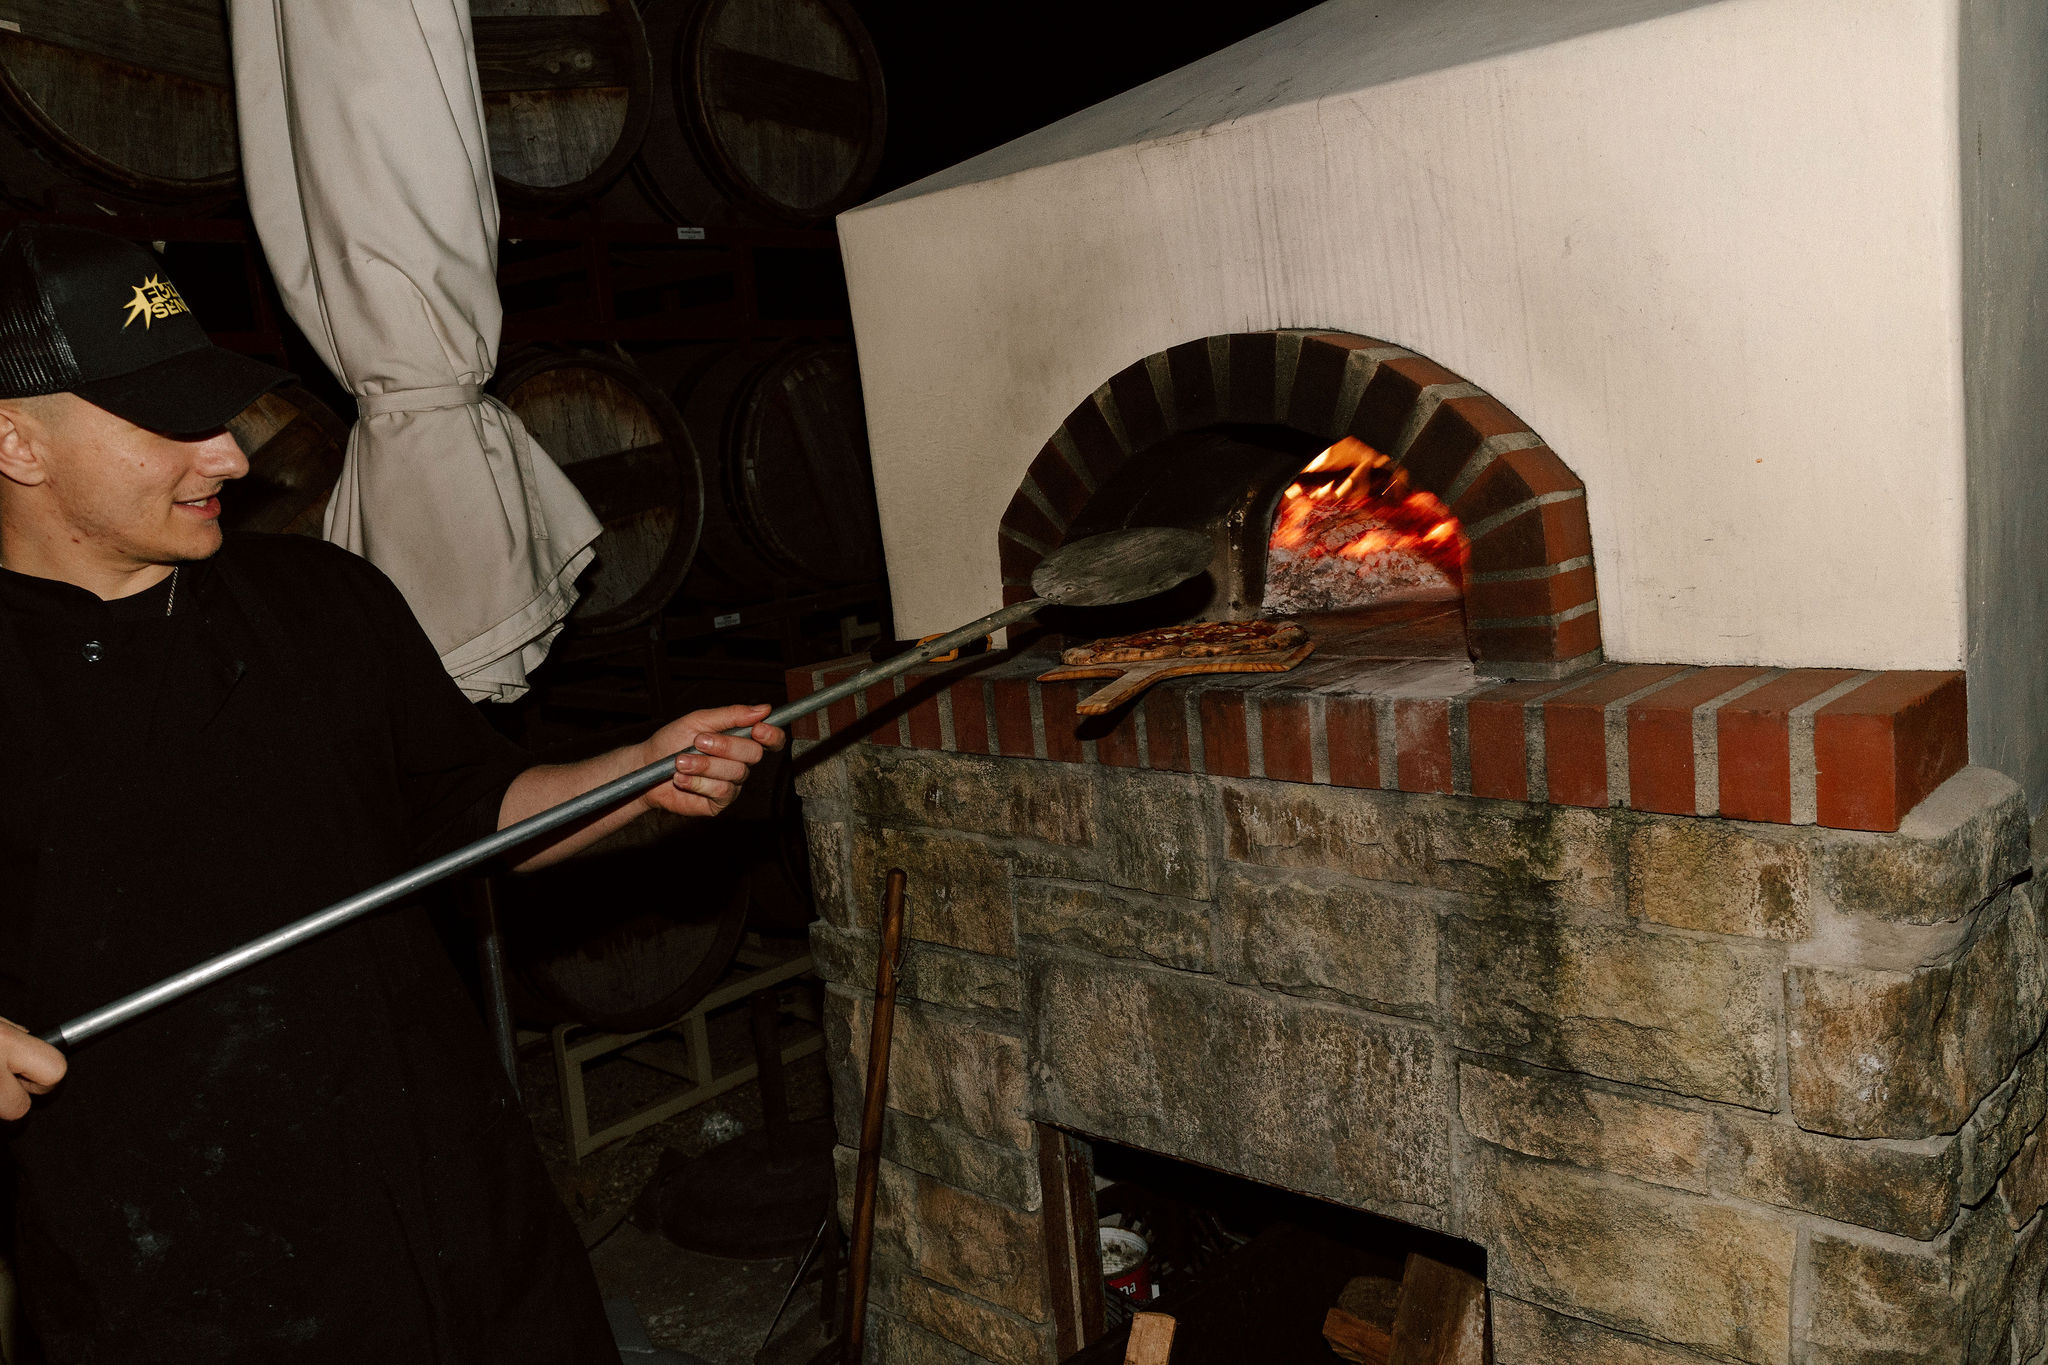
1151 1339
1357 1340
1441 1316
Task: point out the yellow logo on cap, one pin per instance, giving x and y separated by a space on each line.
156 297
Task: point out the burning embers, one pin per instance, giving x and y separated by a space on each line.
1350 532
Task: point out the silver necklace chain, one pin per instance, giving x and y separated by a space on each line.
170 599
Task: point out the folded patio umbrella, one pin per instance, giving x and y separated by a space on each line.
369 179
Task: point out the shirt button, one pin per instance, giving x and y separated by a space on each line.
92 651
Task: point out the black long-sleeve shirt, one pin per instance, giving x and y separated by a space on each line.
318 1159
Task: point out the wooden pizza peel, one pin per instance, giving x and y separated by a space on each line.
1134 678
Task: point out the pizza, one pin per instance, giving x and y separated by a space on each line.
1194 640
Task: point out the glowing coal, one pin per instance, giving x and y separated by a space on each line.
1351 532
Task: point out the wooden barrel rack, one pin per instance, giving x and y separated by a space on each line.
784 439
768 111
568 87
625 448
132 99
640 947
295 445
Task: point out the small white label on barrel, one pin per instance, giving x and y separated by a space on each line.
689 234
10 25
729 619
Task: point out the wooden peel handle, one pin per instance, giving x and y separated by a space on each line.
888 966
1132 679
1105 699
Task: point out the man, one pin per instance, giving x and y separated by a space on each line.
317 1159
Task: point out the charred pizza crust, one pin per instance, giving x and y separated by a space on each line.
1194 640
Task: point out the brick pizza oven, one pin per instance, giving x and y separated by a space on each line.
1654 909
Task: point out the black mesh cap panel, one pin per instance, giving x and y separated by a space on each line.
35 355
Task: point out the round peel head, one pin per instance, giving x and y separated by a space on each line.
1121 566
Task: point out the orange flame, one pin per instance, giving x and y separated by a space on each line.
1352 502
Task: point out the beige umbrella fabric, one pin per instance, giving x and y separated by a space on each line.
369 178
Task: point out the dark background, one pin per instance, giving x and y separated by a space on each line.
963 78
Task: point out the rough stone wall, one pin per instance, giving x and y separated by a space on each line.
1704 1090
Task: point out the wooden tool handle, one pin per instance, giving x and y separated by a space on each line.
1132 679
888 966
1105 699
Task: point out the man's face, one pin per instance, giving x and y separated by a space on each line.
128 496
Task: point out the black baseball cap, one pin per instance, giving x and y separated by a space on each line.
82 312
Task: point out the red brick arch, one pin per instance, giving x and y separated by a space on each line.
1531 609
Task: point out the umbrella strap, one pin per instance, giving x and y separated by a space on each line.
419 400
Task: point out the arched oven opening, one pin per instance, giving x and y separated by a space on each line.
1339 476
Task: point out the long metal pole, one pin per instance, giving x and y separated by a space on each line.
593 802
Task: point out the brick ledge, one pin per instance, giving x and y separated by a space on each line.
1842 748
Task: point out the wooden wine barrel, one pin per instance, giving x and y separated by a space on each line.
625 448
134 98
625 940
295 444
772 111
567 88
783 429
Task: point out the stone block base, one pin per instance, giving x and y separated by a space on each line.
1703 1090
